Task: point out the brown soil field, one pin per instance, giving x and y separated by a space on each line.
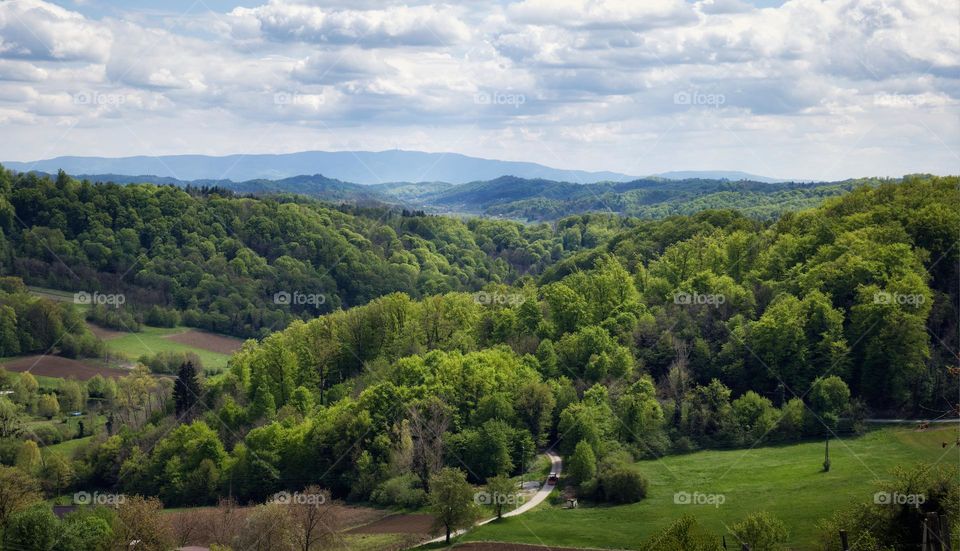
397 524
207 341
103 333
55 366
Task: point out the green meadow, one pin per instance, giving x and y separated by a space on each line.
785 480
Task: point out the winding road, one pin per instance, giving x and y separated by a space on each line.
556 466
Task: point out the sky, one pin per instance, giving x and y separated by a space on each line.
818 90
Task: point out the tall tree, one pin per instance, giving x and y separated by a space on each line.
186 391
451 499
428 424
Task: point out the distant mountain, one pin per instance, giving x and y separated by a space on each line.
364 167
731 175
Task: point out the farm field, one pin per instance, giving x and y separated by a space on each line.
213 350
60 367
784 480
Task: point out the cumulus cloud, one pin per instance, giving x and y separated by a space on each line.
32 29
603 14
602 82
393 26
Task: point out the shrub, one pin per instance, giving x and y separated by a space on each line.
685 534
33 528
158 316
169 362
761 531
45 434
121 319
623 485
400 491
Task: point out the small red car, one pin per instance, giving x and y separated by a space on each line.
553 478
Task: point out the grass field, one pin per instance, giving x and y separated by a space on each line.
784 480
153 339
67 448
148 341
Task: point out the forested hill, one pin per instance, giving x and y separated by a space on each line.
536 200
219 260
710 331
639 338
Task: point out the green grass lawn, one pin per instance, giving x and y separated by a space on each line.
784 480
152 340
67 448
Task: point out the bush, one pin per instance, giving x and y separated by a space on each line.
158 316
8 450
623 485
761 531
45 434
168 363
400 491
684 444
685 534
33 528
121 319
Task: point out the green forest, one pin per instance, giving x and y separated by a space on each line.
217 261
444 343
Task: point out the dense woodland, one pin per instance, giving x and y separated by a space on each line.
217 261
538 200
474 343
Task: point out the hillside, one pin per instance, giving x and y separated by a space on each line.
536 200
461 348
218 260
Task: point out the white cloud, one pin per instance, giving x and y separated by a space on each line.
603 14
393 26
801 81
32 29
21 71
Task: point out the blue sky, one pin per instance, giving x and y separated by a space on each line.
803 89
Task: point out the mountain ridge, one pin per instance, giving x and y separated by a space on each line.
361 167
